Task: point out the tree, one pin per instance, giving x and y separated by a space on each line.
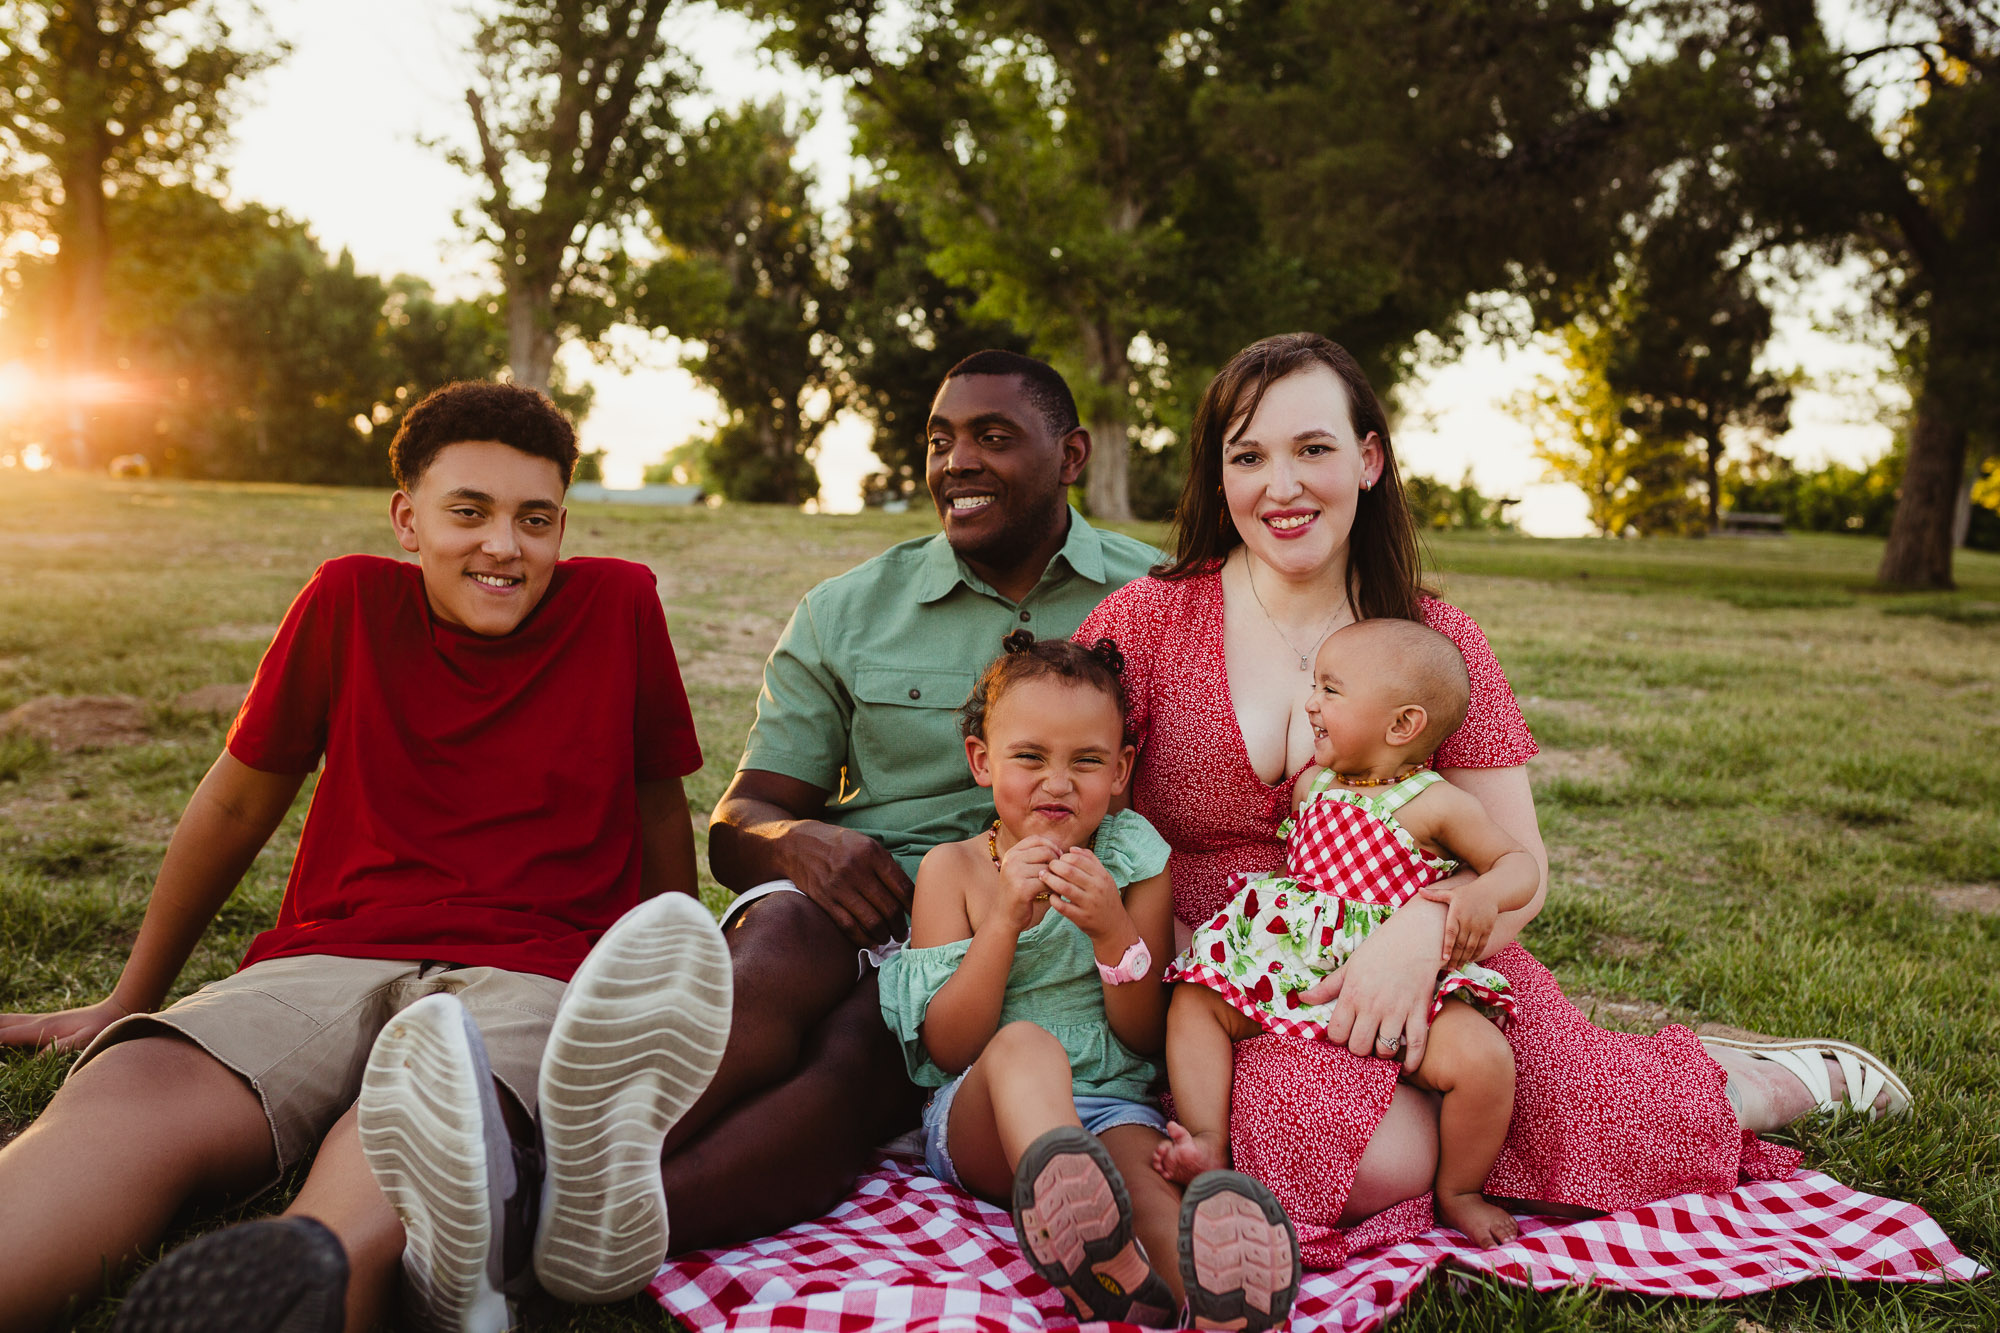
1636 482
1880 140
244 351
97 96
748 272
1175 180
574 116
905 328
1690 328
1046 151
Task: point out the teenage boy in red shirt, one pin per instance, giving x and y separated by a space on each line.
504 735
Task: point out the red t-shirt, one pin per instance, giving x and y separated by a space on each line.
478 804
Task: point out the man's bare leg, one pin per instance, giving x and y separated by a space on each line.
143 1128
811 1083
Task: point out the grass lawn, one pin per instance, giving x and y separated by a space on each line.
1771 797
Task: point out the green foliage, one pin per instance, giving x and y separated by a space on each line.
246 352
749 273
1833 498
589 466
905 327
1871 132
97 99
1440 506
1635 481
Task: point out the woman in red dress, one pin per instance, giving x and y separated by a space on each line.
1293 523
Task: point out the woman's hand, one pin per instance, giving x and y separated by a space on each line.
69 1030
1021 880
1384 991
1085 893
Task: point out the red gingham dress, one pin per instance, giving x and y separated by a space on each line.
1349 864
1602 1120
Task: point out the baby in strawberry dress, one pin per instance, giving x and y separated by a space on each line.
1371 830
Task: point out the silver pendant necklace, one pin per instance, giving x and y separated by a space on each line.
1305 658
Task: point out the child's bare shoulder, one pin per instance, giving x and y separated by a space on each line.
1432 813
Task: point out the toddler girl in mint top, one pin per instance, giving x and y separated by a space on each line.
1030 997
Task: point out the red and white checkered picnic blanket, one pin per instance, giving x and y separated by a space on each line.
908 1252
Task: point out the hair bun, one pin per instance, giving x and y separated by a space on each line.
1106 651
1018 641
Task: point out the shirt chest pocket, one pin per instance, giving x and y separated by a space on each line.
905 740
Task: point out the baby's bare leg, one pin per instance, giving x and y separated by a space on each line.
1471 1064
1202 1029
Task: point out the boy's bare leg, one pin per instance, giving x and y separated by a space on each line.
1202 1032
340 1193
1471 1064
1016 1091
810 1084
146 1126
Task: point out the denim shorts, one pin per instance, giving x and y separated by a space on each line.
1097 1114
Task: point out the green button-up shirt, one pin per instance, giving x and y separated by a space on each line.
862 692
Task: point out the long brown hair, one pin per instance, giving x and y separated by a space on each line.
1384 576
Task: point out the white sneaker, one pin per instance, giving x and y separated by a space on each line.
433 1135
636 1041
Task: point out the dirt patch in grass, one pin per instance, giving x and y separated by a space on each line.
80 722
1623 947
218 698
1600 763
1623 1015
1983 899
735 646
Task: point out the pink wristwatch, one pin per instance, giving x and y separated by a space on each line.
1138 961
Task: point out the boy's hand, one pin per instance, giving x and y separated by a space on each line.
1083 891
1468 922
70 1030
1021 880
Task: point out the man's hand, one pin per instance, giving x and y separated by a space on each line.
851 876
69 1030
767 826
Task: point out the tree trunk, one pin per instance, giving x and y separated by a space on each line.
1919 550
80 263
1712 439
531 337
1105 485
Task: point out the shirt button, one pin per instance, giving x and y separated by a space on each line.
916 694
1024 615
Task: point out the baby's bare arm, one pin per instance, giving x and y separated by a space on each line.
1444 815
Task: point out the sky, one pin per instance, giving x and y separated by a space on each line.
341 135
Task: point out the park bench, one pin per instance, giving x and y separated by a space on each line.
1737 523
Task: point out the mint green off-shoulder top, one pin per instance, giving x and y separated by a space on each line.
1053 982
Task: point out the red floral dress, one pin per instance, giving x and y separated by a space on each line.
1602 1120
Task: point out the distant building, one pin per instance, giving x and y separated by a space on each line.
641 495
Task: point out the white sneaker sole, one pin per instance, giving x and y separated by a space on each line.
637 1039
428 1119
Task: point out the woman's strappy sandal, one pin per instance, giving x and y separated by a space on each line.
1867 1074
1074 1220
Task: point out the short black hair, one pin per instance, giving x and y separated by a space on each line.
525 419
1046 388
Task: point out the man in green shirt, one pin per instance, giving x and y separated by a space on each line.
853 770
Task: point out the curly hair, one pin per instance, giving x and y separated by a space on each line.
524 419
1024 657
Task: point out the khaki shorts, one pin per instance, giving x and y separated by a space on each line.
298 1030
